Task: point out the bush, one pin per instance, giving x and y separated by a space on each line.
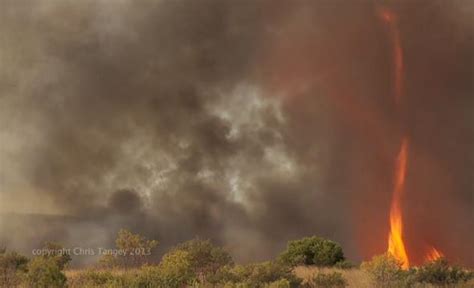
439 273
224 275
189 263
44 273
141 278
12 267
268 272
175 270
91 278
109 261
137 250
386 271
256 275
205 259
312 251
282 283
145 277
57 252
329 280
127 280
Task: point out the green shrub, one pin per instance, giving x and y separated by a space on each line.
312 251
205 258
267 272
225 274
145 277
188 264
256 275
12 267
175 269
13 260
328 280
58 253
109 261
137 249
92 278
282 283
386 271
44 273
129 279
440 273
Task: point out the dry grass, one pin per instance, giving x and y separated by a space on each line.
356 278
72 274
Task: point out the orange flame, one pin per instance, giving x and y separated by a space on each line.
433 255
396 246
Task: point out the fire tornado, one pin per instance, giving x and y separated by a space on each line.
396 244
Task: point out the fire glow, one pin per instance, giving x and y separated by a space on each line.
433 255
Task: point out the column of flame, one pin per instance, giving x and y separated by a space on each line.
396 245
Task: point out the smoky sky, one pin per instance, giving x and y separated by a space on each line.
247 122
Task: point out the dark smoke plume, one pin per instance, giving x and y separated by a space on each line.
247 122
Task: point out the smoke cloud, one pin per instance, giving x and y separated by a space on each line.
249 122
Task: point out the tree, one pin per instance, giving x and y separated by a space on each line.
312 251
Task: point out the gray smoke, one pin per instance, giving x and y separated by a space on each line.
174 119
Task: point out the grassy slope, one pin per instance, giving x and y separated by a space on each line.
356 278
